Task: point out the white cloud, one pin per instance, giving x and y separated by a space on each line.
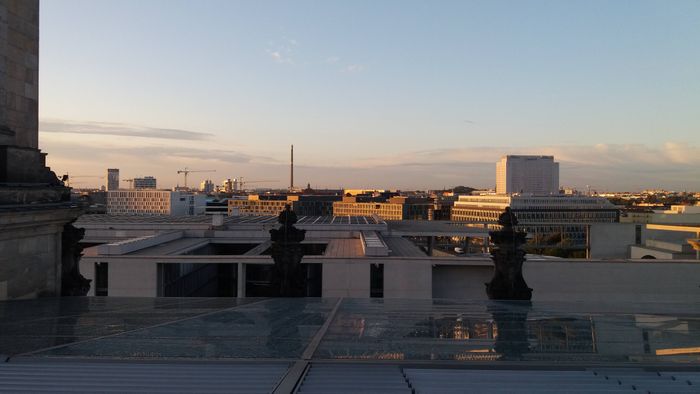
282 52
354 68
672 165
332 60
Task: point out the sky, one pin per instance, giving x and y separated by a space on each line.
381 94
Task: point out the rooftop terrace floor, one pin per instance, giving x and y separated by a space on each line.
310 334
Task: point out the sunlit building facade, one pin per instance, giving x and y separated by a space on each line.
527 174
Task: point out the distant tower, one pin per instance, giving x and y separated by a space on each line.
291 170
112 179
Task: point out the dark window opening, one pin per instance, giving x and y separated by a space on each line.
101 279
219 249
376 281
309 250
197 280
259 280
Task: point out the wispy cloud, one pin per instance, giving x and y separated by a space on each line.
332 60
117 129
282 51
354 68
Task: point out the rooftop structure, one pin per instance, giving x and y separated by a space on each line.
353 257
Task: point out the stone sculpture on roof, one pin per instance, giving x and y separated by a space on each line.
508 258
288 276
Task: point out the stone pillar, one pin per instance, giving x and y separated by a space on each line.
19 73
241 282
34 204
431 242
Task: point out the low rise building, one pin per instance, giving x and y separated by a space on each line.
155 202
395 208
306 205
540 216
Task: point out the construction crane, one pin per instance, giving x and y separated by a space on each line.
186 171
131 183
242 183
67 177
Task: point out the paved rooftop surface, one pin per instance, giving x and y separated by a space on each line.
207 219
313 345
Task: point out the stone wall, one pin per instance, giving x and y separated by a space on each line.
19 73
30 252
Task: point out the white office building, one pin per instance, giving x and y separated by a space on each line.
527 174
155 202
112 178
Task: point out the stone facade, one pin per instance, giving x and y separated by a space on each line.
30 251
34 203
19 73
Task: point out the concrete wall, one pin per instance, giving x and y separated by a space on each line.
30 252
346 279
461 282
133 279
405 279
611 240
582 281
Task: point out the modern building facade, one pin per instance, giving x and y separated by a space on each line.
147 182
261 205
155 202
540 216
527 174
395 208
112 179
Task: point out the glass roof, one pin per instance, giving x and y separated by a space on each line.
351 329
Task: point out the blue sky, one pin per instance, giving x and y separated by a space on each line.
407 94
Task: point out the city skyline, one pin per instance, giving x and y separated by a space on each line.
391 95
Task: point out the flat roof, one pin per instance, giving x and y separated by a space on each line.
437 228
207 219
319 345
355 329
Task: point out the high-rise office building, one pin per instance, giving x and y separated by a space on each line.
537 175
207 186
147 182
112 179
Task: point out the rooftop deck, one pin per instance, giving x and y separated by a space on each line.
308 344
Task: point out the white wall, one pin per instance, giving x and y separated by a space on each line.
405 279
132 279
346 279
612 240
582 281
